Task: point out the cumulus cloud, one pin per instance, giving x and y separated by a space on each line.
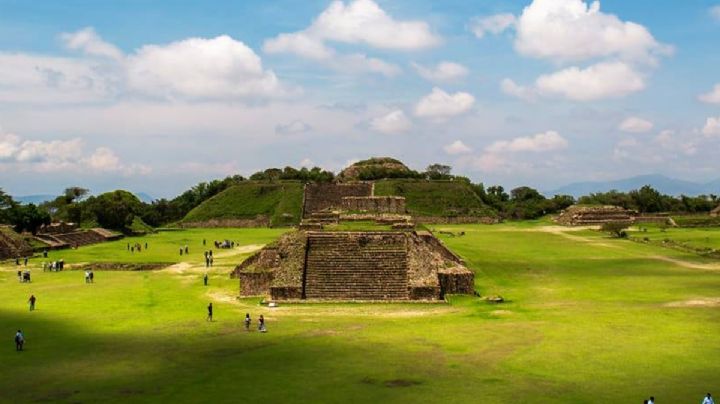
541 142
293 128
359 22
494 24
573 30
49 156
440 105
90 43
220 67
715 12
712 97
457 147
391 123
634 124
596 82
712 127
442 72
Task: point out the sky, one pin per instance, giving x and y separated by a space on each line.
155 96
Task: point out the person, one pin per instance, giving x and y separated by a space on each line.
26 260
45 253
204 241
205 279
17 261
261 324
247 321
186 249
32 302
19 340
128 246
207 260
132 249
211 260
87 276
20 277
92 276
651 400
181 250
708 399
209 317
146 245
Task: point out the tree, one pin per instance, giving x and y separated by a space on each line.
29 218
115 210
75 194
647 199
521 194
438 172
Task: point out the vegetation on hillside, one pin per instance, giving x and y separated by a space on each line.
281 202
436 198
649 200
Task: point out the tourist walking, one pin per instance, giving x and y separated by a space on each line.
247 321
32 301
708 399
186 249
205 279
26 260
210 312
651 400
92 276
19 340
261 324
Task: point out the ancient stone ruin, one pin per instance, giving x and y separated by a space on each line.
383 265
64 235
715 212
587 215
12 244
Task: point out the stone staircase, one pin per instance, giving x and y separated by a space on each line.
12 245
77 238
356 266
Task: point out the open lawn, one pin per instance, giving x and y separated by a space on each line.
589 319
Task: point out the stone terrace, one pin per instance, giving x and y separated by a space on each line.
324 197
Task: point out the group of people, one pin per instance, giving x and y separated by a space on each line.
54 266
261 323
24 276
706 400
185 250
136 247
17 261
89 276
224 244
208 258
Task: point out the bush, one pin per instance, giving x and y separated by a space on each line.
616 229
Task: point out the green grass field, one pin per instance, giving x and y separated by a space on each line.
588 319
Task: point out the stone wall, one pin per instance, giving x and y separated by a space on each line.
578 215
455 220
320 197
57 228
255 283
374 204
456 281
259 221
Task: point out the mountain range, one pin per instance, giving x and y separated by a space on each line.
664 184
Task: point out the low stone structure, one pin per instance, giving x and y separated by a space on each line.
715 212
384 265
374 204
12 244
587 215
58 228
328 197
54 238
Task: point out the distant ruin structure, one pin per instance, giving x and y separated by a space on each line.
590 215
12 244
64 235
715 212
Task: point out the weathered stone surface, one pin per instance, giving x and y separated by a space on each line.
12 244
328 197
255 283
258 221
374 204
578 215
715 212
75 238
458 280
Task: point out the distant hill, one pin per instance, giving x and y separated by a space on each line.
280 202
666 185
36 199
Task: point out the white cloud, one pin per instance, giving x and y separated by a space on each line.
715 12
572 30
90 43
442 72
391 123
494 24
363 21
457 147
217 68
50 156
293 128
359 22
511 88
712 97
603 80
542 142
712 127
634 124
307 163
596 82
440 105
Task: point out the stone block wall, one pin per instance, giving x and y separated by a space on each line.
255 283
456 281
319 197
374 204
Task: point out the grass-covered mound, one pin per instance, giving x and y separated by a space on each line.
436 198
280 203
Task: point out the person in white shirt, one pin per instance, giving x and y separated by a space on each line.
708 399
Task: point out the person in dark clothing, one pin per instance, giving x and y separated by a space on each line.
32 302
45 253
92 276
247 321
204 241
261 324
181 250
19 340
210 312
205 279
146 245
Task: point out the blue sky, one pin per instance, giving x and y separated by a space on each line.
156 96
